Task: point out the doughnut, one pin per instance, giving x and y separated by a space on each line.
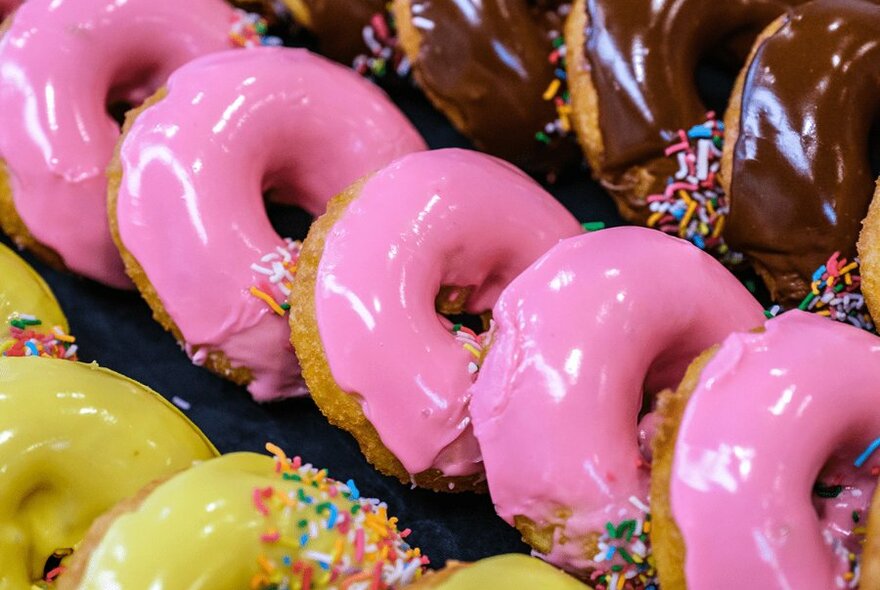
347 30
245 521
33 323
74 440
868 281
869 574
190 175
379 359
62 65
797 165
578 336
764 460
485 66
511 572
640 121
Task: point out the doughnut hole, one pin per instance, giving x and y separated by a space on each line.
54 562
287 220
451 304
716 70
130 88
841 496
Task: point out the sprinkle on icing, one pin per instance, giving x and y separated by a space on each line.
624 559
383 52
475 344
369 553
693 205
247 29
835 292
557 90
26 340
276 270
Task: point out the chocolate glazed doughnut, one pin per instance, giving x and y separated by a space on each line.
485 65
797 166
337 24
631 68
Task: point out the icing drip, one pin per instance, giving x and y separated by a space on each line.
624 554
693 205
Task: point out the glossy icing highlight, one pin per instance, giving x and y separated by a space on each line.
57 135
74 440
233 126
801 178
485 64
642 58
268 523
441 218
557 405
791 428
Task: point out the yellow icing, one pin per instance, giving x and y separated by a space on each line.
203 528
23 291
74 440
509 572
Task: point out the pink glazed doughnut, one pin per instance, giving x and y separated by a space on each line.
557 406
446 229
61 64
776 494
186 196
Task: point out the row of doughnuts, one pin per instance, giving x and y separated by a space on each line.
648 143
562 271
454 453
577 354
160 498
56 206
787 204
176 182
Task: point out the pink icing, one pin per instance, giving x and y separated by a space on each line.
579 336
7 7
60 62
772 414
447 217
195 166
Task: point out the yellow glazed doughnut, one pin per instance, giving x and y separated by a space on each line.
503 572
32 321
246 521
74 440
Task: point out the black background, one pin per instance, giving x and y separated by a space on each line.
116 329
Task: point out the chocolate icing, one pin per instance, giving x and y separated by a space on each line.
644 55
487 63
338 26
801 181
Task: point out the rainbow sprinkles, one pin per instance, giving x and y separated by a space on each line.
304 514
27 339
276 271
693 205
